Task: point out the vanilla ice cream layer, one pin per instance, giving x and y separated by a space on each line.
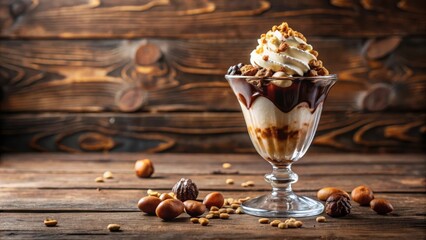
280 137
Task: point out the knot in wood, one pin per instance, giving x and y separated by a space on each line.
130 99
148 54
17 8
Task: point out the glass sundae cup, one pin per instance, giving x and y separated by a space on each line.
282 115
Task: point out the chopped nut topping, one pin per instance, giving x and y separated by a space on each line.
322 71
283 47
302 46
312 73
265 57
315 63
313 52
247 70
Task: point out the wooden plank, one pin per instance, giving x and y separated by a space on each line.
200 132
309 182
84 161
359 225
207 19
313 164
180 75
112 200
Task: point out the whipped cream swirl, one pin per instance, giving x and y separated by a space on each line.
290 55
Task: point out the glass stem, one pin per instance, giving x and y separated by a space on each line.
281 179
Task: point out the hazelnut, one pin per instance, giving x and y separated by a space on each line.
324 193
214 199
338 205
362 195
185 189
144 168
194 208
381 206
169 209
148 204
165 196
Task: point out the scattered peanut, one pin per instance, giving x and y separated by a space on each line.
235 205
113 227
282 225
264 220
239 210
224 216
108 175
226 165
321 219
194 220
222 210
99 179
214 208
275 223
209 216
298 224
153 193
241 200
230 181
50 222
248 184
165 196
203 221
230 211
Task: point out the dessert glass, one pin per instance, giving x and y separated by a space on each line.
281 115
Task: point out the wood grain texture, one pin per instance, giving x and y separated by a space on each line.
385 174
177 75
134 225
85 212
207 18
202 132
247 164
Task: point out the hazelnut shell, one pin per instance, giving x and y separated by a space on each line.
362 195
214 199
194 208
144 168
148 204
169 209
381 206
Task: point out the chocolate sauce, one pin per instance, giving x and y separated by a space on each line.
284 98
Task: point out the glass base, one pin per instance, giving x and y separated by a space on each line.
289 205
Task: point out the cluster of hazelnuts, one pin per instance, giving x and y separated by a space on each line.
338 201
182 199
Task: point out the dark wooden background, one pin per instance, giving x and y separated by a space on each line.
140 75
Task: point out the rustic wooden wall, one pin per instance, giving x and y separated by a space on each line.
140 75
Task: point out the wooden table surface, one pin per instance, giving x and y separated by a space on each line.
62 186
